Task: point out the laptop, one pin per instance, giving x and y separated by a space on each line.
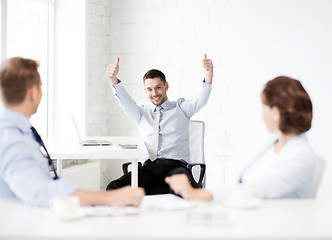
90 142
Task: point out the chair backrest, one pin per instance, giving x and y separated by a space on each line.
196 146
316 178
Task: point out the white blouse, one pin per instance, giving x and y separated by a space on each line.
257 169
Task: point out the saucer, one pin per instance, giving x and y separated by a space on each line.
78 215
254 203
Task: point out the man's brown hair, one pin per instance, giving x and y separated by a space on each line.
293 102
17 75
154 73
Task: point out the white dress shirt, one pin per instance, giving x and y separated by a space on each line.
288 175
24 170
261 164
174 121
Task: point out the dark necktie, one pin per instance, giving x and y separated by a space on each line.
41 143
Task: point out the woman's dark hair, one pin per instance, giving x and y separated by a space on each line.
293 102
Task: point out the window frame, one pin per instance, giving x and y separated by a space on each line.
50 57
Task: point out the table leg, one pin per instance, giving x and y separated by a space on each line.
134 173
59 167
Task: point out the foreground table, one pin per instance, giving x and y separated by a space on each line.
275 219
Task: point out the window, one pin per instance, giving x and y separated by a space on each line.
27 34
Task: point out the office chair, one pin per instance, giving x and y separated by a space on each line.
316 178
197 166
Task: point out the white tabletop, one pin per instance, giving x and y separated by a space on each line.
71 149
274 219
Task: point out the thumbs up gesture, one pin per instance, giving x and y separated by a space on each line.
112 71
208 67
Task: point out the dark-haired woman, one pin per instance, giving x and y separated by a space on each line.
284 167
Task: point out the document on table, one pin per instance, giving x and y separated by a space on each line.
149 203
164 202
101 211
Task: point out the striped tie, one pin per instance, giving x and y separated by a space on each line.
155 142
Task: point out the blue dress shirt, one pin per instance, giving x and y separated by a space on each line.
174 121
24 170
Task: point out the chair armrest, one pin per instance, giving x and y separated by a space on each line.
201 174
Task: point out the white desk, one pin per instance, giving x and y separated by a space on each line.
71 149
278 219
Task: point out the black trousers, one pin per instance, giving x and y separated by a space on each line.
151 176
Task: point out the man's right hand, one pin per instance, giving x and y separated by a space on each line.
208 67
112 72
125 196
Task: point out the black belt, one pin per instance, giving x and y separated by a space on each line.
170 162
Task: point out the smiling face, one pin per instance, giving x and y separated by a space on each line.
156 90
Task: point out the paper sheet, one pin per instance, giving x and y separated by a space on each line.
165 202
149 203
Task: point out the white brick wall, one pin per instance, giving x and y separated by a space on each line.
249 42
97 88
168 35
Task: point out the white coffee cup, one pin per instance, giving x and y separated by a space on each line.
241 196
66 207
